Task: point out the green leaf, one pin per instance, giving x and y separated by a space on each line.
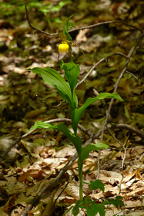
52 77
58 7
117 202
92 147
72 72
77 113
40 124
75 100
97 184
75 209
96 208
91 207
67 26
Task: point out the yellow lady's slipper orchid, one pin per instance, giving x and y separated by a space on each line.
63 47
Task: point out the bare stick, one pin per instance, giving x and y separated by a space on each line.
115 90
103 23
118 81
90 71
60 120
34 28
125 151
129 127
96 64
79 28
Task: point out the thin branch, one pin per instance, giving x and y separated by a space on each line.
90 71
132 50
69 121
125 151
63 189
76 29
129 127
34 28
95 92
121 54
103 23
133 75
60 120
97 63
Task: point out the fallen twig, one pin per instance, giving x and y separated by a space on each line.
60 120
132 50
78 28
129 127
104 23
90 71
34 28
96 64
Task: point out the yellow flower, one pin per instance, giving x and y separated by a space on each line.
63 47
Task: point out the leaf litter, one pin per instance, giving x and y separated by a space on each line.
40 158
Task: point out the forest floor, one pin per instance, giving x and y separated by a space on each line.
30 163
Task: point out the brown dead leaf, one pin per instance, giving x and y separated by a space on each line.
72 189
65 152
81 37
133 204
110 177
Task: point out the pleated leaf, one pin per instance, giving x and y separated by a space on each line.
79 111
53 78
92 147
72 72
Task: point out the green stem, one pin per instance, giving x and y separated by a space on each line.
80 166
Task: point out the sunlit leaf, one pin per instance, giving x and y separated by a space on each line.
52 77
117 202
92 147
67 26
40 124
72 72
79 111
97 184
91 207
96 208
